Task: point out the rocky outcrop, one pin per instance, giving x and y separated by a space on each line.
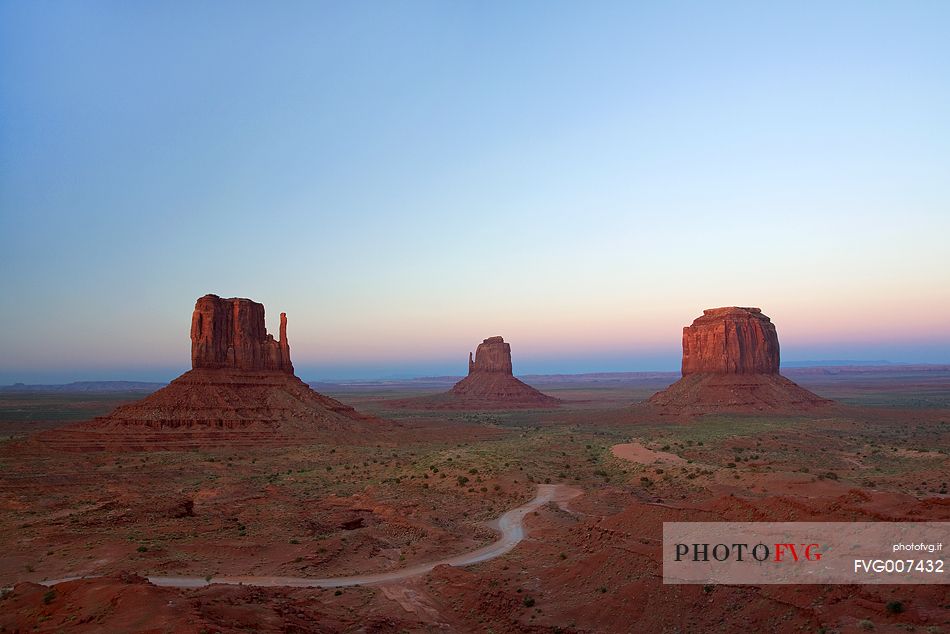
731 363
491 355
708 393
731 340
491 382
230 333
241 390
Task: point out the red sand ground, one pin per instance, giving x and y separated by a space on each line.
635 452
426 490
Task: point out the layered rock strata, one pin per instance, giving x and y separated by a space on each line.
491 380
730 340
230 333
241 390
731 363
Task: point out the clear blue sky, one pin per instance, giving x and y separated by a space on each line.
405 179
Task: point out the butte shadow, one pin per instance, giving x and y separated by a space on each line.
490 384
731 364
241 390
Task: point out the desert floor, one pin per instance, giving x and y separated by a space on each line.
370 504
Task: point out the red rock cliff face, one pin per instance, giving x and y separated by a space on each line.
230 333
731 340
491 355
241 391
491 384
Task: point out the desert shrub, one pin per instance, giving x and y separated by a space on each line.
49 596
528 602
895 607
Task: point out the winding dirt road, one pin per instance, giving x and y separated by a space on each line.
511 525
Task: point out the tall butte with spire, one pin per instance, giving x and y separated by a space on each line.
241 390
731 363
490 381
230 334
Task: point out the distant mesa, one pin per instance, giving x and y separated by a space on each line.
490 378
241 390
731 363
490 384
491 355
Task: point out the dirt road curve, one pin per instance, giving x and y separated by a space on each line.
511 525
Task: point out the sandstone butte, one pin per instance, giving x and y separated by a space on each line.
490 381
230 333
731 363
241 389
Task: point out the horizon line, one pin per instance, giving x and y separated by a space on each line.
819 363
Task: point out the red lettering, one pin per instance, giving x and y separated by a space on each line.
780 551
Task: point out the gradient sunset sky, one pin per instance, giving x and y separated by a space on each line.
405 179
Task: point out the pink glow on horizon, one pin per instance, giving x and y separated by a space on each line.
612 329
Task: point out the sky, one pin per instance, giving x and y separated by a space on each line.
405 179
